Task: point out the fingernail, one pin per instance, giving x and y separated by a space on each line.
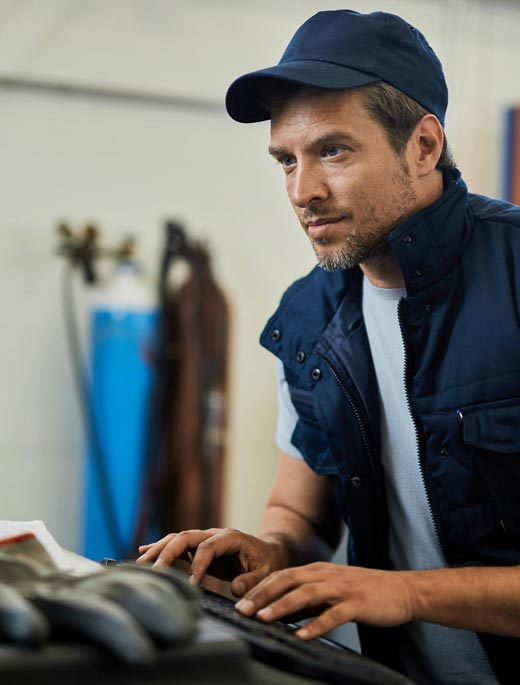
240 588
245 606
303 633
265 613
191 579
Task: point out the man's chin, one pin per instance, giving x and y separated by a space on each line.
334 260
335 265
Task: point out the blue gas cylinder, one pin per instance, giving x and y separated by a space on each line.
122 327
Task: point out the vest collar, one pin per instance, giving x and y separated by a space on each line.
429 243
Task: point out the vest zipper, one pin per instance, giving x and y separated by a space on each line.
415 426
421 466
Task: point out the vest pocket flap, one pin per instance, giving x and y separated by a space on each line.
493 428
303 402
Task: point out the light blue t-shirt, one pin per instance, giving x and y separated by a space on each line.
435 654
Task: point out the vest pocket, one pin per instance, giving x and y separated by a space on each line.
493 433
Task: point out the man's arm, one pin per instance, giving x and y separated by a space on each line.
301 524
301 514
482 599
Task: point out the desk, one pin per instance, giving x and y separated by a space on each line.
214 657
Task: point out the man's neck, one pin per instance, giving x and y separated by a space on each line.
384 271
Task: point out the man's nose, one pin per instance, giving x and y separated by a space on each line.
307 186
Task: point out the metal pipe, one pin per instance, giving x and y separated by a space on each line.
109 93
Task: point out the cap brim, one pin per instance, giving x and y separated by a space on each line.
245 98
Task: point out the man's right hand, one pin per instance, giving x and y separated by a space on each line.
253 557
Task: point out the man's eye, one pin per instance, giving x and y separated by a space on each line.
286 161
332 150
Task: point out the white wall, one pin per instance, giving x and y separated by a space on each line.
128 165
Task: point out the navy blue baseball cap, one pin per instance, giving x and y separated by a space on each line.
342 49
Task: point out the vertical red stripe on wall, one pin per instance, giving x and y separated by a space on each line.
515 165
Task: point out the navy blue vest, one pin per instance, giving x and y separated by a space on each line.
460 322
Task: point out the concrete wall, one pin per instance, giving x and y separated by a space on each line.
128 163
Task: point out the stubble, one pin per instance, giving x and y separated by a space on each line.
368 237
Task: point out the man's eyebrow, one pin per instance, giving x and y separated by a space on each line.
329 138
276 151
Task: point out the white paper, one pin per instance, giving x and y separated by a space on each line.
64 560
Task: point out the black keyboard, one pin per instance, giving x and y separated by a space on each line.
320 659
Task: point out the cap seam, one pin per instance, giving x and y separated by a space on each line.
380 42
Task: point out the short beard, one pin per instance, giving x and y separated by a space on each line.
348 256
372 241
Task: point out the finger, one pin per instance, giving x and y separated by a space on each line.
307 596
325 622
246 581
153 549
223 543
179 544
267 591
280 582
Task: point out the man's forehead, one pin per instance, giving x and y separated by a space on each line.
323 111
315 102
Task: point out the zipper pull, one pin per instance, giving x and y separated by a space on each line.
460 415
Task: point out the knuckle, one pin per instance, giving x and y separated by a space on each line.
309 591
167 538
319 566
205 545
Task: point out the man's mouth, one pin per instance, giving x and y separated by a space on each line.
320 227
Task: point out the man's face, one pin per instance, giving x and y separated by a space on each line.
347 185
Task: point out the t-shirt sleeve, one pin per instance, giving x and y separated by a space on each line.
287 415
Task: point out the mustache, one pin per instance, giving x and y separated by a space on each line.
318 212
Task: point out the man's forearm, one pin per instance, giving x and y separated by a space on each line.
483 599
297 538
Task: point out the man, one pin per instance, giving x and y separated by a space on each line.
400 367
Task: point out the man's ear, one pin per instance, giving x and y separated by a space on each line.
426 144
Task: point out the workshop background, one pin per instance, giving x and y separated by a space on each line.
111 111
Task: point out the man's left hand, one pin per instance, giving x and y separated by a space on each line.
343 593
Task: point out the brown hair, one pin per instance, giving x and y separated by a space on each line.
394 111
398 115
